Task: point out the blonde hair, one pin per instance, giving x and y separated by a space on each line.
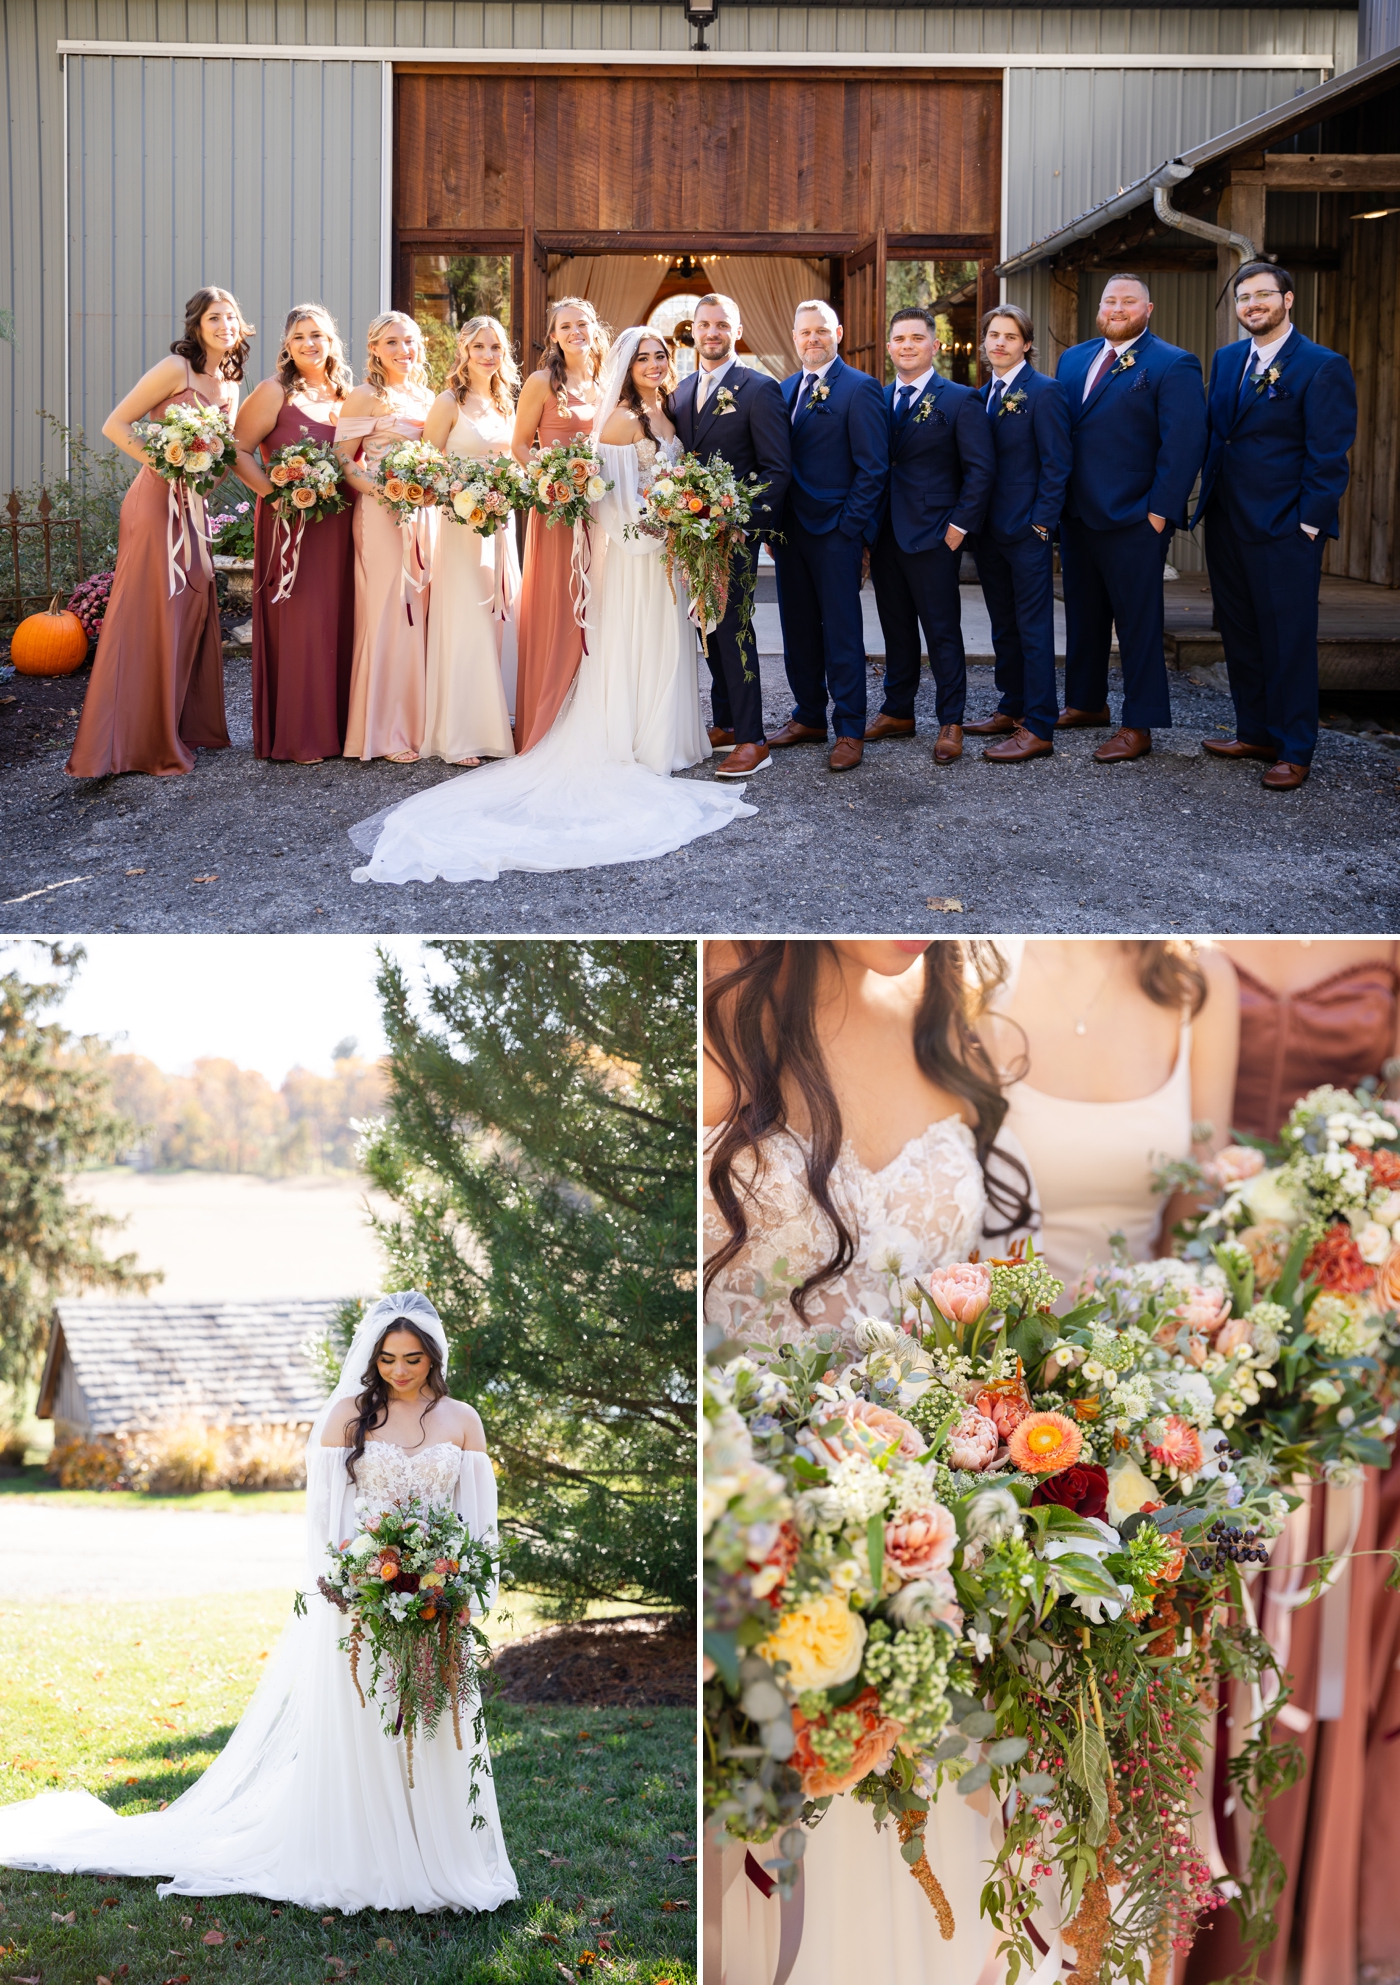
552 358
374 372
338 374
504 379
823 310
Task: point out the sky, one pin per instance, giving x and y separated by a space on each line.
268 1003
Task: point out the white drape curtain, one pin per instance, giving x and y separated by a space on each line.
618 286
768 289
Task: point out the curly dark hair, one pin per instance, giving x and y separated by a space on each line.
372 1405
629 394
761 1034
189 346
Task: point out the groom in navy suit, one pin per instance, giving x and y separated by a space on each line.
840 464
1282 414
1138 429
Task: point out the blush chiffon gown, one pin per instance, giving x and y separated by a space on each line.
303 646
471 652
388 678
309 1801
157 685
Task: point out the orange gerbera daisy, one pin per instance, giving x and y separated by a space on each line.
1044 1443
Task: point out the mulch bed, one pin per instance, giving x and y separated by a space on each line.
638 1658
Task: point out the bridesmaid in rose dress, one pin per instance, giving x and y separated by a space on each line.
389 676
302 645
471 653
157 688
557 404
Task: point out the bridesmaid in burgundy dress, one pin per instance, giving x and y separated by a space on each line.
557 403
303 645
157 687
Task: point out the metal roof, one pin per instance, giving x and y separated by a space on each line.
1351 86
143 1364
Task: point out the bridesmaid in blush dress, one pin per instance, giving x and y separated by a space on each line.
157 688
302 645
388 680
471 649
556 404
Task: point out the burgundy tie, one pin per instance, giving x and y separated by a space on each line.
1106 364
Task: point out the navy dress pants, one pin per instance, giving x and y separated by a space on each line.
823 634
1018 584
736 697
1266 609
1114 578
916 589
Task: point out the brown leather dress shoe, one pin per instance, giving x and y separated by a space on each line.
997 725
1083 720
1022 744
846 754
794 733
1283 777
949 745
883 726
721 739
1124 744
744 759
1235 747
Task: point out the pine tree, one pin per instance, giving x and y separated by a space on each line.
55 1118
540 1145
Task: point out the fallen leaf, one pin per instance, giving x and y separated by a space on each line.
681 1860
71 1917
185 1922
212 877
668 1905
326 1921
136 871
610 1802
946 904
103 1981
212 1937
130 1781
383 1944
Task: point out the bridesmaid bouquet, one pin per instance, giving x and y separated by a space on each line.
565 481
486 499
411 477
408 1583
189 446
700 510
308 476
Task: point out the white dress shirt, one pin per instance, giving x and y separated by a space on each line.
918 384
1006 378
1108 346
804 390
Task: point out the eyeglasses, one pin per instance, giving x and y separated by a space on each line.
1258 295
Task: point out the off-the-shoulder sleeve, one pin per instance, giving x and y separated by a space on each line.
330 1506
476 1504
356 428
622 506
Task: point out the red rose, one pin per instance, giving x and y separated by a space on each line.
1083 1489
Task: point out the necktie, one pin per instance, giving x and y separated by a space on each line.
902 402
1105 364
994 399
809 380
707 379
1250 374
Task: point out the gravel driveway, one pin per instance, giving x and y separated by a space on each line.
1175 840
51 1553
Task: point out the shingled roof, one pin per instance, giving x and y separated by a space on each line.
141 1364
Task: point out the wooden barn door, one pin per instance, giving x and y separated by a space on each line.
863 282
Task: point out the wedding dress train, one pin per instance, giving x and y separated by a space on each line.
596 789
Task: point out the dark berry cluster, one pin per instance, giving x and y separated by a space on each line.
1234 1546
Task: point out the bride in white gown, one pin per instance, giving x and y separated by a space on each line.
309 1801
596 789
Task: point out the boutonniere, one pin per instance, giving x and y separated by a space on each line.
1013 402
724 402
929 410
1269 379
821 391
1124 362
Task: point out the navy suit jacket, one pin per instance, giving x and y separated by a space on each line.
1139 439
753 437
1279 458
1033 452
941 464
840 454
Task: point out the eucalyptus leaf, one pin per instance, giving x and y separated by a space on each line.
954 1747
974 1780
912 1850
981 1723
1007 1750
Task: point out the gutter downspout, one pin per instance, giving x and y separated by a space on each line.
1171 175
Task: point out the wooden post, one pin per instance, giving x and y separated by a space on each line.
1064 316
1241 208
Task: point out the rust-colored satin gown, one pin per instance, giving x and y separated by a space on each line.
549 641
1338 1830
157 687
304 645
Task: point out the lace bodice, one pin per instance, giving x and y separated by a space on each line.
648 452
386 1474
920 1212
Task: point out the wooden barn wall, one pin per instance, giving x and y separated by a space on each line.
1356 311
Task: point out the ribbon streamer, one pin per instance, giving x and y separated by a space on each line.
412 550
580 583
184 532
288 542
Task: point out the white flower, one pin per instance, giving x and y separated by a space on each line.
1373 1243
872 1335
992 1515
663 486
1388 1212
594 488
1268 1198
981 1645
362 1545
1128 1490
892 1250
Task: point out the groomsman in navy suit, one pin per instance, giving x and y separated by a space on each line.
1028 416
1282 414
941 469
1138 426
840 463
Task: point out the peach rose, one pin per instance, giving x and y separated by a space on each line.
579 471
280 474
303 498
973 1442
1267 1247
1005 1406
1387 1286
877 1738
889 1426
416 493
1180 1447
961 1292
1202 1309
175 453
478 516
395 490
561 493
1045 1443
1234 1164
1236 1336
921 1542
296 468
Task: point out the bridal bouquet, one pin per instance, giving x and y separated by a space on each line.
411 478
408 1584
700 510
308 478
565 481
486 498
191 446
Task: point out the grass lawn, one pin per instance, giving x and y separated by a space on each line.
132 1701
34 1484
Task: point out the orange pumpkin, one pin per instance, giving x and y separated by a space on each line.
49 643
